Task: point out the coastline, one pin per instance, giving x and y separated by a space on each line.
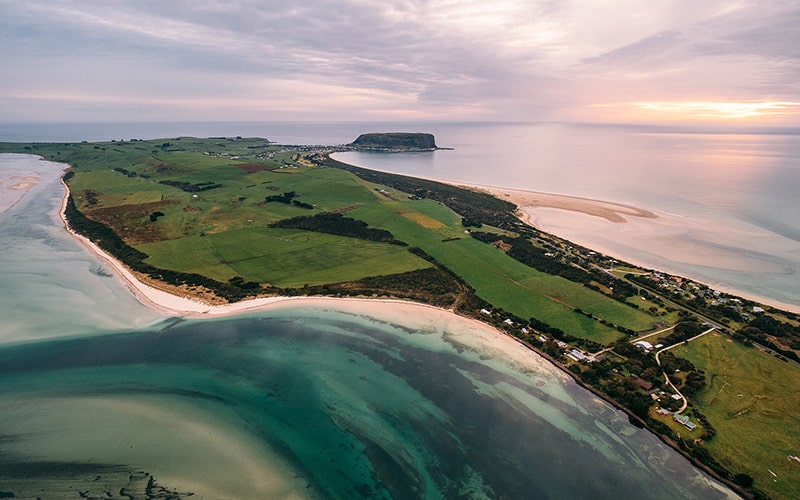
648 230
394 311
186 307
609 213
697 250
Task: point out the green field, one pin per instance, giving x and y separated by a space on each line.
281 257
223 233
752 400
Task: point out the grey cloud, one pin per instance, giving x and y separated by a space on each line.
645 50
411 51
341 42
761 31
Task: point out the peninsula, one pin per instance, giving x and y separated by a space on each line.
233 220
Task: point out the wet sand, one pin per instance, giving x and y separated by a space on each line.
14 187
610 211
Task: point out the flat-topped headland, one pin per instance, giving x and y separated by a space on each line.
395 141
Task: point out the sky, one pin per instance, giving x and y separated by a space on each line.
632 61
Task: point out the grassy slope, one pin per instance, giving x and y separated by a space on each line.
281 257
752 400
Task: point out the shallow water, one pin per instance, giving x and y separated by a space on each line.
353 407
51 285
331 402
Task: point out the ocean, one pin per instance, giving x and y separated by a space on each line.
98 392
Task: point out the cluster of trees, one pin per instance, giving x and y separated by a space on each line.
333 223
771 326
521 249
191 188
478 207
288 198
430 285
467 222
130 173
683 331
125 171
281 198
92 197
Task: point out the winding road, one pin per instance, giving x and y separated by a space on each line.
666 377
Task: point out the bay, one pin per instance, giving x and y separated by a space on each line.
354 400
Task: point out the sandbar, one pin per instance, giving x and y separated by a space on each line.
610 211
174 437
13 188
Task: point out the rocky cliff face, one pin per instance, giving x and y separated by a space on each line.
400 141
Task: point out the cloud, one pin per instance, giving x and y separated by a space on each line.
445 59
646 51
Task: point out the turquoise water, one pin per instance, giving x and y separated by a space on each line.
97 391
356 408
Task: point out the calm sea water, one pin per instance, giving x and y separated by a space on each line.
727 203
295 402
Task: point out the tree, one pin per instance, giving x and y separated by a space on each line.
743 480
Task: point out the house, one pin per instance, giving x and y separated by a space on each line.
576 355
644 345
684 421
486 312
